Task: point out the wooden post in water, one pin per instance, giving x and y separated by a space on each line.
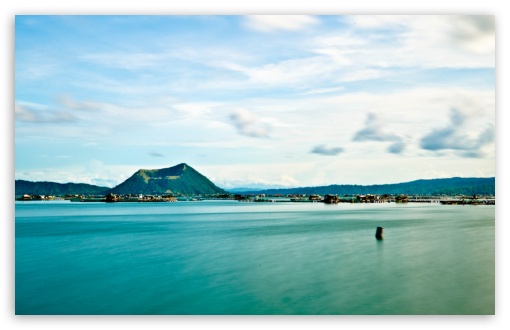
379 233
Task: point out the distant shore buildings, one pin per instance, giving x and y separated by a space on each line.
296 198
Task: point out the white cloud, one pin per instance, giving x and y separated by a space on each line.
413 40
466 30
37 115
324 90
323 150
381 21
125 60
362 74
156 154
269 23
297 72
473 33
34 65
374 131
355 54
196 109
249 124
454 137
70 103
454 41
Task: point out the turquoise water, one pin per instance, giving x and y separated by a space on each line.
225 257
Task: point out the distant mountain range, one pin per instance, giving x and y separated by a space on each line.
450 186
183 179
179 179
52 188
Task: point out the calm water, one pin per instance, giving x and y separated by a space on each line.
225 257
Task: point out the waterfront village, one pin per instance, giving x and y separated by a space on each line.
263 198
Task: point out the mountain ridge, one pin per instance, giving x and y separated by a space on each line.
178 179
439 186
55 188
183 179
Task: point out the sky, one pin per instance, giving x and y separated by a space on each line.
255 101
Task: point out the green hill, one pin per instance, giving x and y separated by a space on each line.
450 186
179 179
52 188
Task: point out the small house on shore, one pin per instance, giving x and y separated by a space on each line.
315 198
331 199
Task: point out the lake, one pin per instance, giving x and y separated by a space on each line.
226 257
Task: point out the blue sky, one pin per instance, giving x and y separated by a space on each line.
255 101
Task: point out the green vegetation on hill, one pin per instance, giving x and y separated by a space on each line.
52 188
179 179
451 186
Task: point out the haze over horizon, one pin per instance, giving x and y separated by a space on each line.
255 101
